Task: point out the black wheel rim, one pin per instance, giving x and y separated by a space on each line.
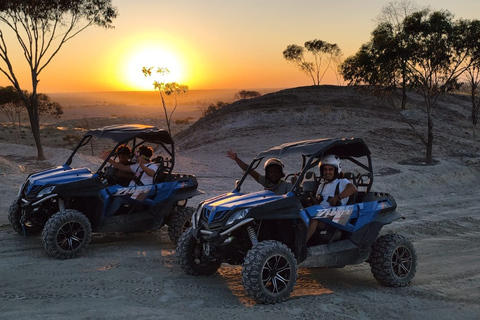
199 257
276 274
402 261
70 236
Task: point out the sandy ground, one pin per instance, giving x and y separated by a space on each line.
133 276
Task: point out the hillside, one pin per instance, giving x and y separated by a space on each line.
331 111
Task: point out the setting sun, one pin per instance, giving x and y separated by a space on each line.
150 56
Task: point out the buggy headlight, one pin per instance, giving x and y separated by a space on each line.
237 216
45 191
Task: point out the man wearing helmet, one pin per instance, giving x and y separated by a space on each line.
334 189
274 172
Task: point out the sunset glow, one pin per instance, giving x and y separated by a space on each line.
150 56
209 46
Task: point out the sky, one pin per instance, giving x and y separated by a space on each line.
210 44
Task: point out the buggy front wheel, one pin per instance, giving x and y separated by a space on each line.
191 257
180 220
67 234
269 272
393 260
15 213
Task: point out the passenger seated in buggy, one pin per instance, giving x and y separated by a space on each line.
334 190
124 153
143 170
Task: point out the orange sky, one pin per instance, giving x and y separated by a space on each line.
214 44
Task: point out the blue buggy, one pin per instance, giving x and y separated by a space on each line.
266 233
67 204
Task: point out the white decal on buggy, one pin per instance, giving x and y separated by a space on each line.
340 214
134 191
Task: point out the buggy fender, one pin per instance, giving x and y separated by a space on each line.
187 194
388 217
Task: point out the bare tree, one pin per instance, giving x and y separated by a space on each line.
41 28
394 12
166 88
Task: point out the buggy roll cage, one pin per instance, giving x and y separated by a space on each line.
123 134
312 152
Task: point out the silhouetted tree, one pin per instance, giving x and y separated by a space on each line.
167 88
245 94
324 55
386 37
42 27
12 106
438 55
469 36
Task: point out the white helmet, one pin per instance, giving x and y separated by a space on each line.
274 162
331 160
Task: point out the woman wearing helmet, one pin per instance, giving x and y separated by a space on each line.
274 172
334 190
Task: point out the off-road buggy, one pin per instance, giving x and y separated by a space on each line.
266 233
66 205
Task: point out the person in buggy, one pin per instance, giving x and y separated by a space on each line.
123 153
274 172
143 170
334 190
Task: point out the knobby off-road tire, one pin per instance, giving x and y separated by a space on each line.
67 234
191 257
179 221
393 260
15 215
269 272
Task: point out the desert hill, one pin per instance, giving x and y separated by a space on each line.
332 111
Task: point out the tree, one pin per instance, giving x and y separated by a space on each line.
430 50
470 37
376 63
246 94
389 28
394 12
12 106
41 28
437 59
321 51
167 88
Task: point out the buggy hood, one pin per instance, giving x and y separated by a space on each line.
232 200
57 176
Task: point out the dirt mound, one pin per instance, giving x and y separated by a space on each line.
332 111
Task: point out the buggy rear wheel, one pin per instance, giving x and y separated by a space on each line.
15 218
393 260
179 221
67 234
192 258
269 272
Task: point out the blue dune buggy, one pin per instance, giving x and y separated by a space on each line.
66 205
266 233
